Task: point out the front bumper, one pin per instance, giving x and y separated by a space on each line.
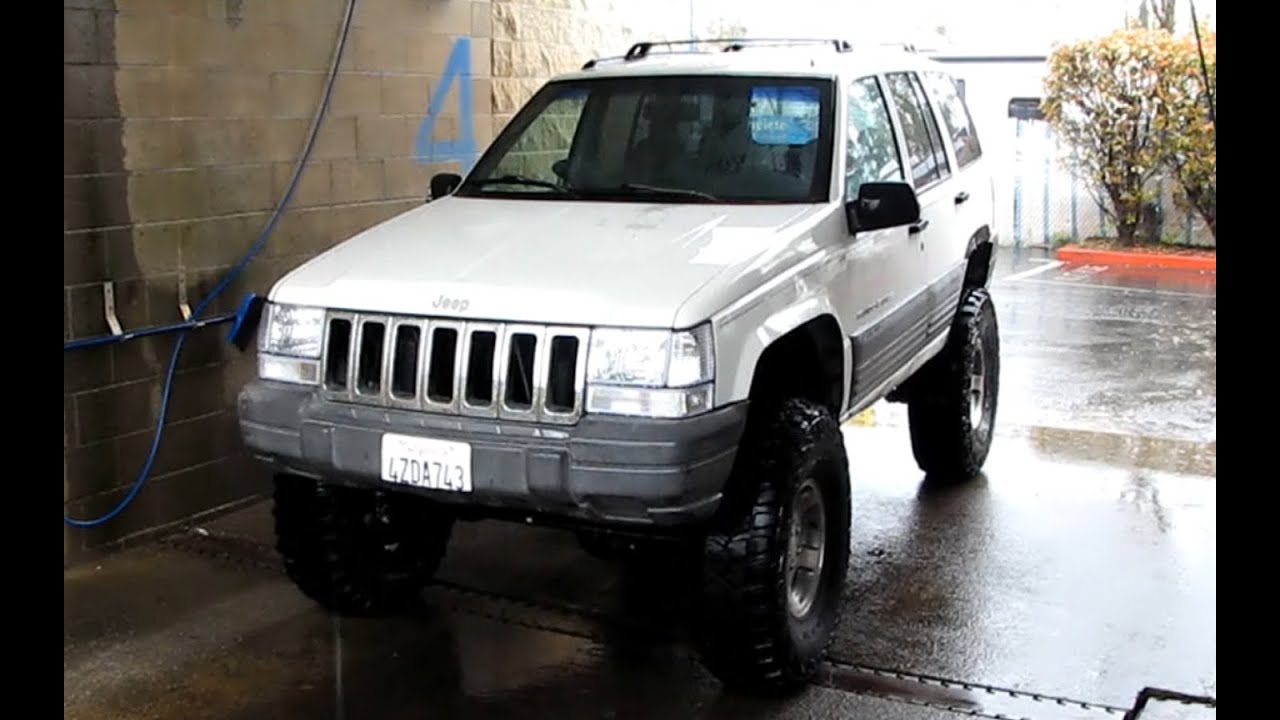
602 470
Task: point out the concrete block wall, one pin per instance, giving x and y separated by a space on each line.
182 122
535 39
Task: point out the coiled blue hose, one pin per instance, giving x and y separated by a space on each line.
230 277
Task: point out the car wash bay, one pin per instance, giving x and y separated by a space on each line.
1079 570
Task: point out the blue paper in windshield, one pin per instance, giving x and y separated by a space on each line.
784 115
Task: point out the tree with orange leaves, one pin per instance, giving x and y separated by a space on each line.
1109 98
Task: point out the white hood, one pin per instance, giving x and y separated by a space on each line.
565 262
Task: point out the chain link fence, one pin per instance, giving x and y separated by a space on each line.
1053 205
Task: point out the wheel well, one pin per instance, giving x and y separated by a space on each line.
807 362
979 269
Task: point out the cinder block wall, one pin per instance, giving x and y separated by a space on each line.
182 122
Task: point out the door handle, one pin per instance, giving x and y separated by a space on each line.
962 197
917 227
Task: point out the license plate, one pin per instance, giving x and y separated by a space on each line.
426 463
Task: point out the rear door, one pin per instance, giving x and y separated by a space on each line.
939 239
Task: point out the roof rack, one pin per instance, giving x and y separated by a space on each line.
626 58
641 50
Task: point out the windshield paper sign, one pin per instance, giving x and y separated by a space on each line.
784 115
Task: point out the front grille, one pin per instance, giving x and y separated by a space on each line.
480 369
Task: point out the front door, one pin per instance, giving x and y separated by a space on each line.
882 312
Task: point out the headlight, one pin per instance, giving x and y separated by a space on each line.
651 373
290 346
629 357
293 331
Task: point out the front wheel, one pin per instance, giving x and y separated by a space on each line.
774 570
952 406
358 552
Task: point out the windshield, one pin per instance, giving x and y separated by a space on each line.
674 139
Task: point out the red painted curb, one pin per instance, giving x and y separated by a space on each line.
1200 261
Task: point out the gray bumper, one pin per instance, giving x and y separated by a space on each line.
602 470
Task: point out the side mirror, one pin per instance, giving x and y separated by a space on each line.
882 205
443 184
561 168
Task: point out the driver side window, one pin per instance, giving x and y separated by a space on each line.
546 140
871 152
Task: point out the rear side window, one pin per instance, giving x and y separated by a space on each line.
925 150
955 115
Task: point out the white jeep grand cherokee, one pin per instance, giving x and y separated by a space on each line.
644 315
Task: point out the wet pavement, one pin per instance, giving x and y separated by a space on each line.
1080 569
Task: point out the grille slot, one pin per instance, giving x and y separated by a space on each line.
441 376
560 383
516 372
480 365
337 356
373 338
405 355
519 392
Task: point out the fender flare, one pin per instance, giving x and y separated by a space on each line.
767 332
982 235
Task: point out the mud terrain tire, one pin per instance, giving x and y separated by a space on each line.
952 406
358 552
755 634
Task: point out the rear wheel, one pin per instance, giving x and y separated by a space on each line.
952 406
774 570
358 552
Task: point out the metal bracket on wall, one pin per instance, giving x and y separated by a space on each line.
109 307
183 307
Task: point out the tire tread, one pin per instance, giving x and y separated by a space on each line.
744 637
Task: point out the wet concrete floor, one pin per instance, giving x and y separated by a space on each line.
1080 569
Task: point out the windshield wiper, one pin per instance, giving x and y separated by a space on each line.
522 180
668 192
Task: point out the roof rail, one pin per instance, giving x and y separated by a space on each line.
642 49
627 58
841 46
596 61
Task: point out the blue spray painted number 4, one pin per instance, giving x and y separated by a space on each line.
462 148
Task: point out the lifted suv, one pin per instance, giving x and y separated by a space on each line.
644 315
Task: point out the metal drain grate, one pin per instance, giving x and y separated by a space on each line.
965 698
1160 704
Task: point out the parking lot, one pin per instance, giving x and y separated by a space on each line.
1079 570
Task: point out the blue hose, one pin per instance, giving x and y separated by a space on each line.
226 281
100 340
